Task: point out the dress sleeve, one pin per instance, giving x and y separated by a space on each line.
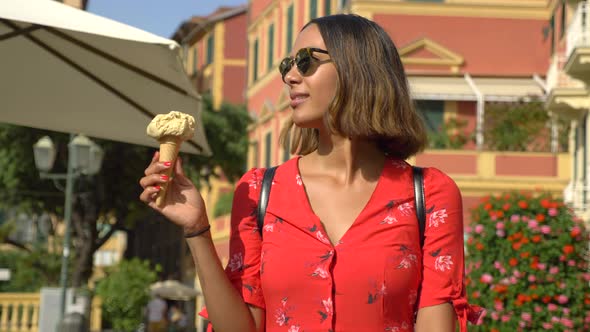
243 268
443 251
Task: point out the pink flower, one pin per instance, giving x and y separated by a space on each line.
552 212
516 273
547 326
567 322
505 318
551 307
545 229
554 270
500 225
515 218
562 299
566 311
532 278
499 305
497 265
526 316
542 266
538 309
487 278
468 229
513 280
479 229
500 233
571 262
533 224
555 319
495 316
586 276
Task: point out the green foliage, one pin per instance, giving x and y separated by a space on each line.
30 270
452 135
125 292
527 264
224 204
227 133
517 127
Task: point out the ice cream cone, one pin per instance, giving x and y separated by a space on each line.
169 146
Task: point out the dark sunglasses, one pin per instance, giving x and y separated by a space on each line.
303 60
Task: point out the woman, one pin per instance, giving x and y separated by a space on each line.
340 247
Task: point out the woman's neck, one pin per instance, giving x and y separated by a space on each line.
347 158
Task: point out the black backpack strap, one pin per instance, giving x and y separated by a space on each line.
419 200
269 174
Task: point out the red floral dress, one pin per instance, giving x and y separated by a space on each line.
369 280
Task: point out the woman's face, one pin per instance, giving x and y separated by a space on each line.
311 93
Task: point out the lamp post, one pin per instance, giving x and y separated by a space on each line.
84 158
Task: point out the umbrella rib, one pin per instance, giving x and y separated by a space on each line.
116 60
92 77
17 32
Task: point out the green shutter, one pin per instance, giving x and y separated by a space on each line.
562 22
255 154
432 112
313 9
327 7
271 45
552 32
289 28
267 147
210 46
255 61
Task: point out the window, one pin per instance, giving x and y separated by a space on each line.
210 46
313 9
327 7
289 36
342 4
271 45
254 155
255 61
195 58
267 148
432 112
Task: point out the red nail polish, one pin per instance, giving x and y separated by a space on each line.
167 163
164 177
157 187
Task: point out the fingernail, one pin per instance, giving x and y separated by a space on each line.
154 154
157 187
164 177
167 163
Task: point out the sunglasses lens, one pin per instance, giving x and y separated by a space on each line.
285 66
303 61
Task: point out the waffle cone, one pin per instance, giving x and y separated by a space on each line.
169 146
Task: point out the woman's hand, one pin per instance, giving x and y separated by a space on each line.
183 204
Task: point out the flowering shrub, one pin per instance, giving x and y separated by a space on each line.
527 264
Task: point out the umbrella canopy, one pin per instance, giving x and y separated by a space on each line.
67 70
173 290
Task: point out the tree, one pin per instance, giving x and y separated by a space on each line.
108 201
125 292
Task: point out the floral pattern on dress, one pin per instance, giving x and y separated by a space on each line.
437 217
327 311
282 313
443 263
236 263
273 225
378 290
389 217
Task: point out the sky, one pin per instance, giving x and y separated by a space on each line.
160 17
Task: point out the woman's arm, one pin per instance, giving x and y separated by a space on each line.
436 318
184 206
226 308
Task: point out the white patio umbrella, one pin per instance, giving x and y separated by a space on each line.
67 70
173 290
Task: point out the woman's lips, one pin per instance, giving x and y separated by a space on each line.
298 100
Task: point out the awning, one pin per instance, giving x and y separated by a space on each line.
457 88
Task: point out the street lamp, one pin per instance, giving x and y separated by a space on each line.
84 158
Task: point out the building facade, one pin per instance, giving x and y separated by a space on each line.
568 80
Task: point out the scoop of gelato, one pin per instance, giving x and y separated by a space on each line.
174 123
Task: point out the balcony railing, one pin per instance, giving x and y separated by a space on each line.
577 194
578 34
558 78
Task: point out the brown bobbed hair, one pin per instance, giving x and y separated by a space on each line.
373 99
